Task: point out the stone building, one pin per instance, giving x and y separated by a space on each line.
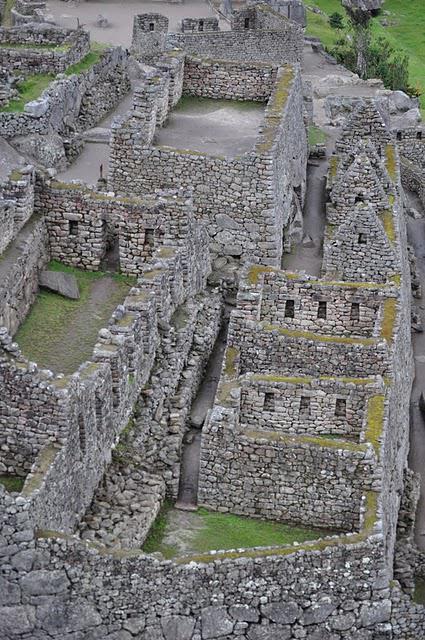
309 424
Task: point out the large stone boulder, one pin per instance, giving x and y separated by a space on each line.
63 283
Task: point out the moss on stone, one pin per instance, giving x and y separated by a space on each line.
333 166
388 222
230 362
391 162
43 463
375 420
12 484
389 318
15 175
257 270
308 335
316 441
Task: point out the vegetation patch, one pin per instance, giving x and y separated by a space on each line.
390 314
388 222
224 531
419 592
316 135
12 483
230 362
60 333
29 89
375 420
92 58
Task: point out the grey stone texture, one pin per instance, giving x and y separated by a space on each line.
310 421
62 48
63 283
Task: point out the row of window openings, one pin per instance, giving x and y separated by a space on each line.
322 310
305 405
400 135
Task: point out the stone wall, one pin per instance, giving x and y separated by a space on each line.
18 194
411 145
282 478
223 80
229 193
199 24
42 49
413 178
77 101
267 37
19 268
301 302
336 406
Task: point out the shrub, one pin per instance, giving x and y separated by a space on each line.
336 20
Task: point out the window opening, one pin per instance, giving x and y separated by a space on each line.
340 408
355 311
305 406
362 238
268 401
73 228
321 311
289 308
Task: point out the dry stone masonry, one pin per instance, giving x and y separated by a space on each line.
310 422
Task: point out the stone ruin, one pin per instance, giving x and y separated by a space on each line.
310 421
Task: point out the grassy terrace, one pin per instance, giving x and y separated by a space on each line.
405 31
173 532
33 86
60 333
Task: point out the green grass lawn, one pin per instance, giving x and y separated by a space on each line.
59 333
33 86
227 531
12 483
316 135
406 31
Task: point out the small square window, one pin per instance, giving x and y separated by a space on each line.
289 308
151 26
419 135
362 239
304 406
355 311
340 408
73 228
268 401
322 310
247 23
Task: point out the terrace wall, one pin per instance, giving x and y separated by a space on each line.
33 54
77 101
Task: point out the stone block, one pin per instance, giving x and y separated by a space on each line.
63 283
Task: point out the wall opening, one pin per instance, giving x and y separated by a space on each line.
73 228
82 434
247 23
355 311
322 310
399 135
151 26
268 401
419 135
289 308
201 25
362 239
358 199
304 406
341 408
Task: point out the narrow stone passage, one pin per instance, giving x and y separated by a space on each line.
307 255
204 400
416 237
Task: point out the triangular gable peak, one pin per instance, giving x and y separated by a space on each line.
359 184
365 122
360 250
367 148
